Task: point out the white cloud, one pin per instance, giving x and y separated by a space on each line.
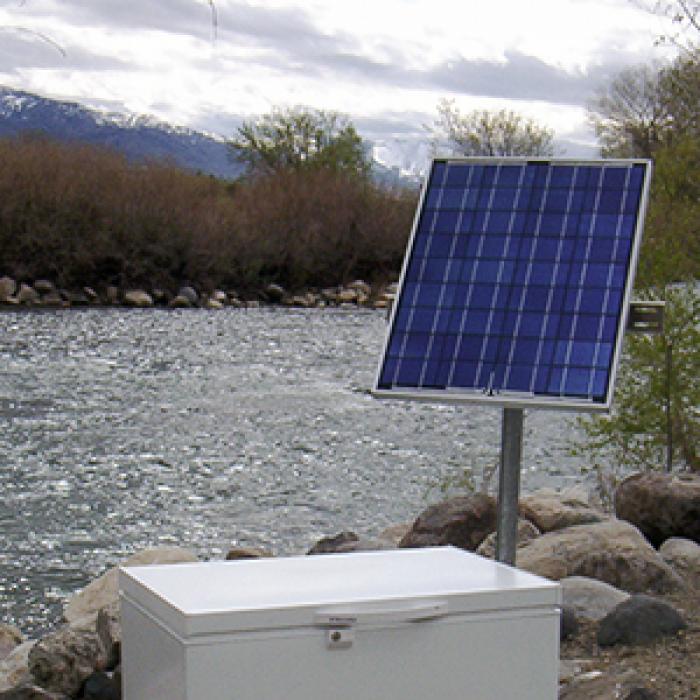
372 60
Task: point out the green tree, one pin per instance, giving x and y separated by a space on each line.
653 112
300 138
489 133
636 431
671 243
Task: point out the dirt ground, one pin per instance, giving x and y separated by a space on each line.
669 666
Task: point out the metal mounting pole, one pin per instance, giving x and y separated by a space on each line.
509 484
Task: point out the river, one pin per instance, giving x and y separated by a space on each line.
121 429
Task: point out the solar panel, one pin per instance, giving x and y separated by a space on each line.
516 282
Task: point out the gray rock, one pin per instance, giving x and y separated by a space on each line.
346 542
589 598
138 298
61 661
109 633
613 685
661 505
684 556
44 286
101 686
554 512
275 293
220 296
7 288
361 286
639 620
612 551
10 639
568 623
394 533
14 668
103 591
180 302
526 532
27 295
463 521
190 294
239 552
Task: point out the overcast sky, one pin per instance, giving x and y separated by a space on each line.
386 63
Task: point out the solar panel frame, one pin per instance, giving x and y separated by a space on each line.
509 398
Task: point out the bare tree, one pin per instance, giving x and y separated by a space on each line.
685 16
489 133
628 115
646 107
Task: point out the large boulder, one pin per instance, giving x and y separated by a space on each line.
613 551
14 668
639 620
10 638
102 686
104 590
61 661
661 505
462 521
591 599
393 534
526 532
550 511
684 556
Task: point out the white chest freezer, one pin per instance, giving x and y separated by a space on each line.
409 624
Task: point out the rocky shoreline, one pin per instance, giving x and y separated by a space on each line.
630 624
43 293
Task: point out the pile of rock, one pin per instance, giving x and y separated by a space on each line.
610 573
43 293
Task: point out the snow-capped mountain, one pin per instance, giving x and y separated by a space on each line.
138 137
141 137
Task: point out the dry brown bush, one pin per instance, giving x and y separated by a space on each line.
78 214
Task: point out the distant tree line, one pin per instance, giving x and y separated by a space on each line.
81 215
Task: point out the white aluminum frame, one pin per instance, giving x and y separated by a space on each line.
518 399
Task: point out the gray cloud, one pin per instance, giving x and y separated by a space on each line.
21 49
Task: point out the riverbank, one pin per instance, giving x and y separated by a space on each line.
43 293
630 628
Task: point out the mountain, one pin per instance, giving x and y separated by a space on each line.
138 137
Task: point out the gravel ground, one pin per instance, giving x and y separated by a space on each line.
670 666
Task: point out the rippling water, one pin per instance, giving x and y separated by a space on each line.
125 429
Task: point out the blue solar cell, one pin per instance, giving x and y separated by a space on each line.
515 279
452 199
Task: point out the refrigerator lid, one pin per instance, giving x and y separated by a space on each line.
364 587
